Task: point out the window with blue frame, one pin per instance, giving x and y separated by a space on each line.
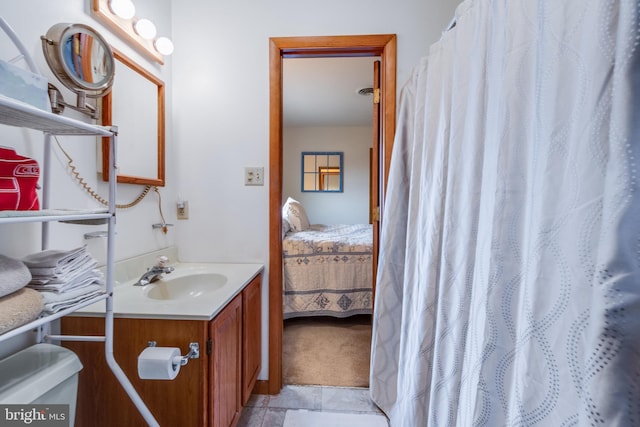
322 171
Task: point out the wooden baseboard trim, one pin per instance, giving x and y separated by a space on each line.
261 387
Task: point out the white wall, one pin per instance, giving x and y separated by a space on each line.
221 93
348 207
31 19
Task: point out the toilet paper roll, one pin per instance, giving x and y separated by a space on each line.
159 363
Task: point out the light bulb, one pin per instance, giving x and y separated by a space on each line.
125 9
164 45
145 28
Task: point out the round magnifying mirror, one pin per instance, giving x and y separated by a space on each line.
80 58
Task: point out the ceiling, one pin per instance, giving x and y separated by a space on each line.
324 91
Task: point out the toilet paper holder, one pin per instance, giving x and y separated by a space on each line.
194 352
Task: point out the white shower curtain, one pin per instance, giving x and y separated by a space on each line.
509 277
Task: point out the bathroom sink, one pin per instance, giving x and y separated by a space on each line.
185 287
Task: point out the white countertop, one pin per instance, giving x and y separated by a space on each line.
131 301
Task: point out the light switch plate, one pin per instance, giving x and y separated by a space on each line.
254 176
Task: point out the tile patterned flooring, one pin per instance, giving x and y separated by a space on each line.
269 411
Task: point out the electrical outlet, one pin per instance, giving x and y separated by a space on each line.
183 210
254 176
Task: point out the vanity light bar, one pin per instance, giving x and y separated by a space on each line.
125 9
164 45
119 15
145 29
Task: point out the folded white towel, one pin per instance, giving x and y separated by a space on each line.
65 268
54 301
64 277
87 278
14 275
53 258
68 276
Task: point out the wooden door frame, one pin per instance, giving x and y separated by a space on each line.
382 45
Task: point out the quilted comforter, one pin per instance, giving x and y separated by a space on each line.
328 271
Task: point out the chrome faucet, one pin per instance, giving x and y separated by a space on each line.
154 273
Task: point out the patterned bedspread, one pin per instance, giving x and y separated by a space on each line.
327 271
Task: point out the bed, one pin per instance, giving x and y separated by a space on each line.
328 271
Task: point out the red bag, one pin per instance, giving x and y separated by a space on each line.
18 181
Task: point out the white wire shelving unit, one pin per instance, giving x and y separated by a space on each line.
16 113
19 114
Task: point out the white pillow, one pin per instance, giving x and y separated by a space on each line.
295 214
286 227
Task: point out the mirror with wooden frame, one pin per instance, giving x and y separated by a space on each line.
136 106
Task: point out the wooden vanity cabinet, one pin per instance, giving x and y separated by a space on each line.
226 365
208 392
251 336
235 368
102 402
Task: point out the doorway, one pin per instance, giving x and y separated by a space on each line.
383 46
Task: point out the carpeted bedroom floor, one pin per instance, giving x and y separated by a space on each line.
327 351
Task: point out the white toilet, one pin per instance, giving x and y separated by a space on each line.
41 374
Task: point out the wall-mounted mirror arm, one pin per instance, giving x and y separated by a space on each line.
58 103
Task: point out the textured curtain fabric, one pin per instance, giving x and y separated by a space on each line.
509 276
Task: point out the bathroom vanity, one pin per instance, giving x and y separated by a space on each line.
210 390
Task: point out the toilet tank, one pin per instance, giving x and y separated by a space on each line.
40 374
